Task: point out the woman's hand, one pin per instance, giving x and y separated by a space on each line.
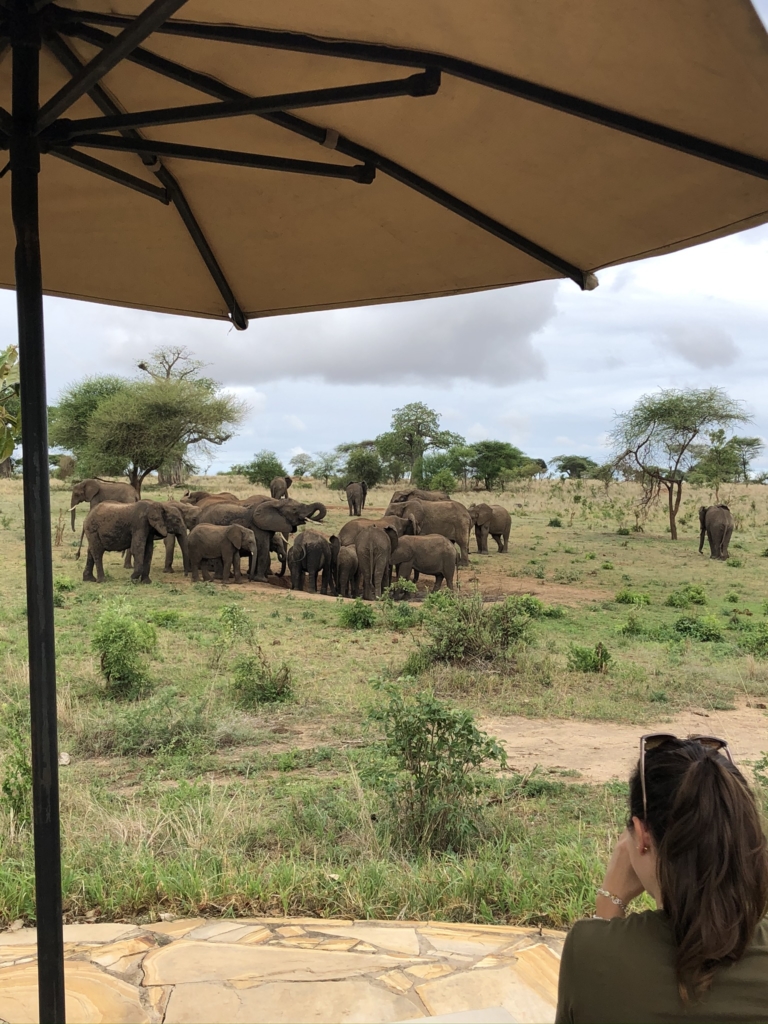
620 879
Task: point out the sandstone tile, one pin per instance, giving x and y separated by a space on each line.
396 981
108 955
539 967
96 933
471 990
92 996
342 944
8 954
126 965
428 971
158 996
235 934
364 947
351 1001
215 928
401 940
255 936
290 929
188 961
493 960
19 937
470 943
175 928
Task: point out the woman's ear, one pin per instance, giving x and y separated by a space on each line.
641 836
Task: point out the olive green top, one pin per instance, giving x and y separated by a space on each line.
623 971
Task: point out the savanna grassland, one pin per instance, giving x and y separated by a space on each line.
186 793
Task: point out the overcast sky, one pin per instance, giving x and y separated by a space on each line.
544 366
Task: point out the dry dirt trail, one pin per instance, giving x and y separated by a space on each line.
600 751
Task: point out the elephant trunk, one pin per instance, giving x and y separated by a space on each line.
317 512
184 545
72 510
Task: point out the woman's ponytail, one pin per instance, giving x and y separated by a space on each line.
712 860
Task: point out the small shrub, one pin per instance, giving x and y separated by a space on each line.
607 565
590 556
566 576
735 563
233 628
430 752
396 613
705 629
120 639
764 553
443 480
463 629
401 590
555 521
588 659
627 596
623 531
357 615
686 596
732 598
62 585
166 619
16 784
754 639
632 627
256 681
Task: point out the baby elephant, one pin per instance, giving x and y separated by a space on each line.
346 571
224 542
432 555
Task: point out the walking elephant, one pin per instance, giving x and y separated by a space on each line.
400 497
716 524
95 491
450 519
312 553
432 555
401 525
111 526
356 495
494 520
225 542
279 486
346 571
374 549
266 519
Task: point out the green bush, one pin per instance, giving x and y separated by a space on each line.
166 619
168 722
627 596
735 563
754 639
607 565
233 628
632 627
430 754
256 681
16 784
357 615
395 612
588 659
705 629
120 639
463 629
62 585
732 598
443 480
686 596
764 553
623 531
555 521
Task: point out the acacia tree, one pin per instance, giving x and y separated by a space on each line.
10 408
414 430
662 435
302 464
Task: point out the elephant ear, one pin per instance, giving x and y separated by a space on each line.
414 525
393 539
156 518
268 518
702 515
484 515
335 545
91 489
288 481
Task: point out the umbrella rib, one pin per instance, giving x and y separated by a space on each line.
424 84
120 47
378 53
213 87
70 60
362 173
115 174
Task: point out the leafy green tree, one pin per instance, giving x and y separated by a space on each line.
661 435
747 450
326 464
461 460
262 469
443 480
427 466
575 467
414 430
68 421
493 457
302 464
718 462
364 466
10 408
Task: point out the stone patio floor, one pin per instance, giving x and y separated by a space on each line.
195 971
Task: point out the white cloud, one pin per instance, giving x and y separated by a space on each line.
477 432
704 346
255 400
294 422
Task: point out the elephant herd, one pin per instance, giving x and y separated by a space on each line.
418 534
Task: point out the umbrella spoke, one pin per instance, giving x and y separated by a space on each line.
324 137
425 84
119 48
115 174
399 56
108 106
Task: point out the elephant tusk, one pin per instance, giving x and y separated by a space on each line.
73 508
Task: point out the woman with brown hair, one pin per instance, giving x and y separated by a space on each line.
694 842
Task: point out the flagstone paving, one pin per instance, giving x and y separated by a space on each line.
289 971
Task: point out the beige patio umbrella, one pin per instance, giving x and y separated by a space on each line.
233 159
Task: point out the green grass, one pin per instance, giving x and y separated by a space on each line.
193 798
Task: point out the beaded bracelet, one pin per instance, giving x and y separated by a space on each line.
614 899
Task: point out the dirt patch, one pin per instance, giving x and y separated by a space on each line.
600 751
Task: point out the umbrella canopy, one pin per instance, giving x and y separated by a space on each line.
551 139
235 160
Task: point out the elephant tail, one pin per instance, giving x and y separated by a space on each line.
80 545
703 524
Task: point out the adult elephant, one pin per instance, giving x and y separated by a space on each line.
279 486
111 526
716 524
450 519
254 499
95 491
266 519
191 516
313 552
494 520
356 495
224 542
374 549
346 571
203 497
400 497
400 524
432 555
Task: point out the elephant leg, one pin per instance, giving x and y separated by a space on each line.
505 549
236 567
714 543
146 564
88 576
127 559
499 542
726 541
170 544
261 562
463 543
438 582
227 556
194 567
415 573
99 559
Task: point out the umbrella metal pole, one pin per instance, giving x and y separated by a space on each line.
25 166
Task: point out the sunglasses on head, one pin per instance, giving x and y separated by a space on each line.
653 740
